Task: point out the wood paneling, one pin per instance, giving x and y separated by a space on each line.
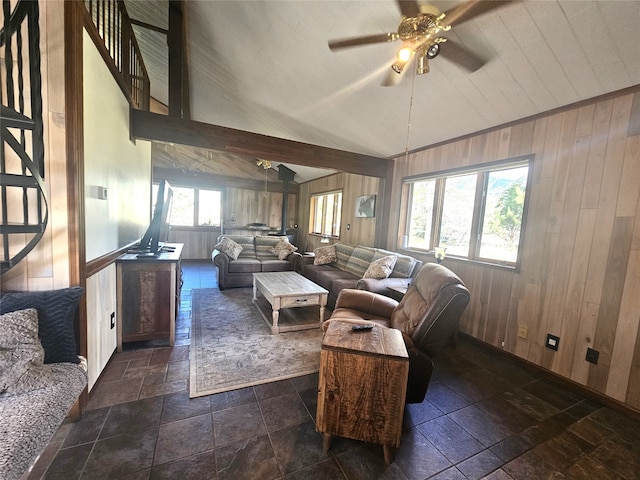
198 243
353 230
581 249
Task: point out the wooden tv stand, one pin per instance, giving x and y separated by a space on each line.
148 295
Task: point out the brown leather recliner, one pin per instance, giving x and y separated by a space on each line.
427 316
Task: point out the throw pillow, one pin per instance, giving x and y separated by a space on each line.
283 249
229 248
325 255
19 346
56 314
381 268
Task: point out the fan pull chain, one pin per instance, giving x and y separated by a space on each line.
406 148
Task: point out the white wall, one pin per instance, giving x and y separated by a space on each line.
112 161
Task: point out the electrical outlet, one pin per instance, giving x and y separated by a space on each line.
552 342
523 331
113 320
592 356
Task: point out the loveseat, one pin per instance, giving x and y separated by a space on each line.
238 257
41 374
340 266
428 317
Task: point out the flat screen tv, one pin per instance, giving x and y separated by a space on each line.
158 232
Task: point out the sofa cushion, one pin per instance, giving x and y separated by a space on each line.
324 255
359 260
56 314
20 348
263 245
229 248
275 265
339 283
343 253
30 420
381 268
311 271
245 265
282 249
326 277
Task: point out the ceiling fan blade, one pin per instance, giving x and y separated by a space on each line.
461 56
472 8
409 8
365 40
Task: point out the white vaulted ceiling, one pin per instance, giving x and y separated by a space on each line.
265 67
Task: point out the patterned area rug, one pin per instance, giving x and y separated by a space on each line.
232 347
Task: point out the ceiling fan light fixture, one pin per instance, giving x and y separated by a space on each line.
422 66
402 58
404 54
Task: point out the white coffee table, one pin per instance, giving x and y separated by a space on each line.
285 290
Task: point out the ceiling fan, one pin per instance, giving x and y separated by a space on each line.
420 30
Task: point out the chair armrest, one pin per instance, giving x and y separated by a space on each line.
221 260
366 302
306 259
301 260
381 285
294 259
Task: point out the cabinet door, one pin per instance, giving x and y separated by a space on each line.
146 304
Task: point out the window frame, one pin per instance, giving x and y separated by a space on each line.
196 206
482 183
336 226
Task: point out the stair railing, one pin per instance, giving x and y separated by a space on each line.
112 23
23 201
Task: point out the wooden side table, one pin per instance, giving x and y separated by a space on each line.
362 385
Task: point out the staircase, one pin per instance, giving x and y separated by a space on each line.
23 199
23 202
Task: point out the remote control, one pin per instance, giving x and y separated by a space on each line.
361 328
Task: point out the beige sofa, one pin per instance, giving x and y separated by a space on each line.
347 271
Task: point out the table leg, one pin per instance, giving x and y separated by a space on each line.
254 290
326 442
274 317
322 313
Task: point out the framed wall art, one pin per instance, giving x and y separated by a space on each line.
366 206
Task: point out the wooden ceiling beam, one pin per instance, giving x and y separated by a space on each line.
216 182
162 128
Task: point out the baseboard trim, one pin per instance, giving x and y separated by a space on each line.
569 384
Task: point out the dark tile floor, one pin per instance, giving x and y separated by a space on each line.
483 418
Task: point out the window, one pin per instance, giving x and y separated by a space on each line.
183 207
475 213
194 206
325 214
210 207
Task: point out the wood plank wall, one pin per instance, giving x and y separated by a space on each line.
580 274
361 231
